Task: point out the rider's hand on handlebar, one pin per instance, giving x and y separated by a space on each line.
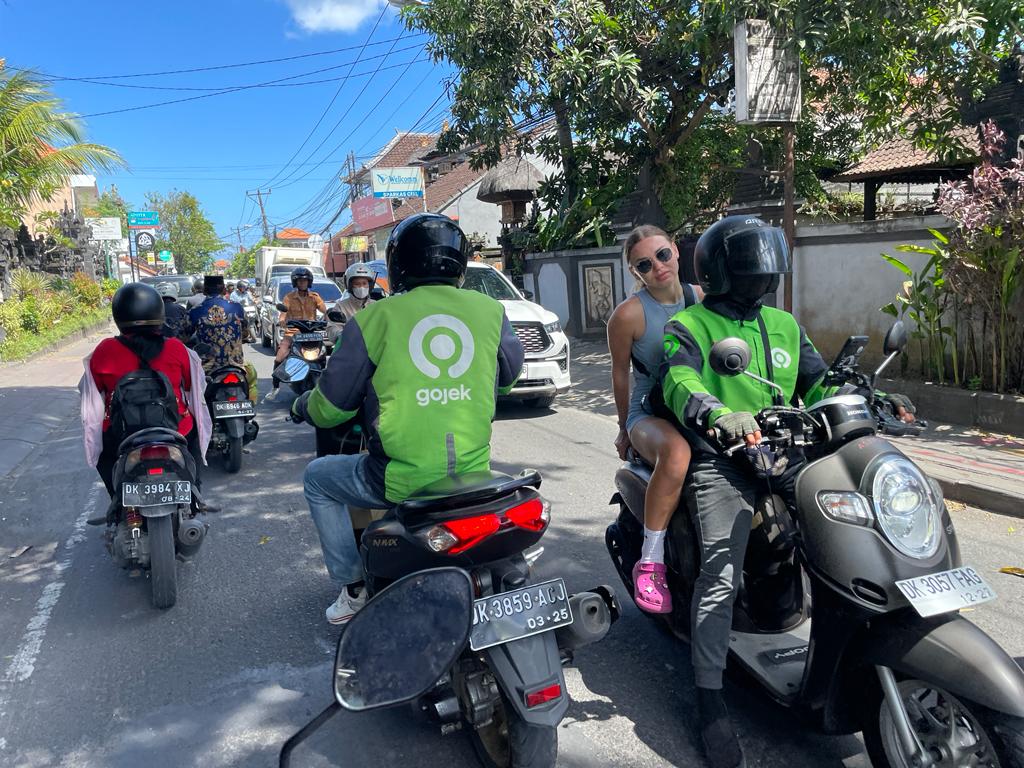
299 410
903 407
740 426
622 443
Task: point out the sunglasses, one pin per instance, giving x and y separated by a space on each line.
664 255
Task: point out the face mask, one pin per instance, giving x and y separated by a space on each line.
361 292
749 290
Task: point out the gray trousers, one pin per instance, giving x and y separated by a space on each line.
721 496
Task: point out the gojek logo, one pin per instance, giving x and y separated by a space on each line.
449 342
781 358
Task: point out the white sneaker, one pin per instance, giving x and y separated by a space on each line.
345 607
272 396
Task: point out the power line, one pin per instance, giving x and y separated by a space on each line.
221 66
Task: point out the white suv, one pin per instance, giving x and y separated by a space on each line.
546 370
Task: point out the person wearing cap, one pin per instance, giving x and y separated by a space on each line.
219 328
176 324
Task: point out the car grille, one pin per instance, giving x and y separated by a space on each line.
532 336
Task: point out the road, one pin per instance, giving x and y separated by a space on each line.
92 676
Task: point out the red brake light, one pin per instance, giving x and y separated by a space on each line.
232 398
544 695
155 471
469 531
231 378
531 515
154 453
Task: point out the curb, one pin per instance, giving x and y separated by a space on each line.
1001 502
965 408
67 341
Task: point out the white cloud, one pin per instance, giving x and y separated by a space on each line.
332 15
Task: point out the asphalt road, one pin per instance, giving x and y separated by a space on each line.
91 675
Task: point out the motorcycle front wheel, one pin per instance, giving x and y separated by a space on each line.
956 732
510 742
163 572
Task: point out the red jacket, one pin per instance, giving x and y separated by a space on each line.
112 360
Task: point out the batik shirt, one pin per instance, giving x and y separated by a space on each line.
220 324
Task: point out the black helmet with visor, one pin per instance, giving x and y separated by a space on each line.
741 256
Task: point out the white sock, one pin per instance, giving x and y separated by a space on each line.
654 546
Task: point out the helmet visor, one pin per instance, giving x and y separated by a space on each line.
761 251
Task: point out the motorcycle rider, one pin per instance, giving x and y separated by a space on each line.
241 293
219 327
176 324
424 367
198 296
302 304
738 261
359 279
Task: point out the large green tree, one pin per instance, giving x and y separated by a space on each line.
244 262
632 84
40 145
186 231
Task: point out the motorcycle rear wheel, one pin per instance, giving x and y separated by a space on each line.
163 572
233 457
510 742
957 732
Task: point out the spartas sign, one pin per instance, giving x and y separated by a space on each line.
397 182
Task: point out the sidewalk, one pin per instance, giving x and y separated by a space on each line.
972 466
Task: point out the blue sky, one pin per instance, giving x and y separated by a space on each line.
220 146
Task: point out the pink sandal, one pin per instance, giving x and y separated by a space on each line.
650 589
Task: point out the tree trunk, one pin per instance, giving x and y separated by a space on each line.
570 166
651 210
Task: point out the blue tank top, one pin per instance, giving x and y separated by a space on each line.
648 349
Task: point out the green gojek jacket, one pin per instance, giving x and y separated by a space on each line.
425 368
697 395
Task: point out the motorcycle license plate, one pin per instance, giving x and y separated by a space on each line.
946 591
302 338
225 409
151 493
520 613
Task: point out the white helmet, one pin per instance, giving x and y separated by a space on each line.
358 270
167 290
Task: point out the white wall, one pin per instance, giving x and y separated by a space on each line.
475 215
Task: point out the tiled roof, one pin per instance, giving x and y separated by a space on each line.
899 157
400 151
292 233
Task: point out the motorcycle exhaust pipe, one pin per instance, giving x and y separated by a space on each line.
593 614
190 537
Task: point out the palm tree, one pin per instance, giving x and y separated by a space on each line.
40 144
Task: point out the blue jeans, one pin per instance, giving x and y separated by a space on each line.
330 484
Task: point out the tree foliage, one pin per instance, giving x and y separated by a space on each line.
40 145
244 263
640 91
186 231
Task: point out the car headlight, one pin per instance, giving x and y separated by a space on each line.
906 507
554 327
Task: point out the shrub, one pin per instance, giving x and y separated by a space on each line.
86 290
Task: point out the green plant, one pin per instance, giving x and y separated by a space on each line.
86 290
974 383
26 283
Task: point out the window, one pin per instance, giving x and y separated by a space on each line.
490 283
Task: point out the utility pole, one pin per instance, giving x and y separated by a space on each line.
789 209
263 213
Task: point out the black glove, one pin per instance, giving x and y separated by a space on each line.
734 427
300 408
901 401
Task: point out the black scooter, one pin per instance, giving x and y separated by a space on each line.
307 357
154 517
848 606
232 412
503 678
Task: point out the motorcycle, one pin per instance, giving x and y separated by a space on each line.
308 354
232 412
844 372
502 676
249 307
154 517
847 610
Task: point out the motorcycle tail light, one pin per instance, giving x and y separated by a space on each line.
155 453
543 696
458 535
162 453
232 399
231 378
155 471
533 515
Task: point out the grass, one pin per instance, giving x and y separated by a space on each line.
25 344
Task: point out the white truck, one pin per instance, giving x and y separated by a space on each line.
278 260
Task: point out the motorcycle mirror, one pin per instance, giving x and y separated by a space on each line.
730 357
895 338
281 307
335 316
403 640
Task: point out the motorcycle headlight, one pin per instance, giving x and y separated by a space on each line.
906 507
312 354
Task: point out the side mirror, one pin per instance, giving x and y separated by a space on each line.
398 646
281 307
895 338
528 295
730 357
336 316
377 294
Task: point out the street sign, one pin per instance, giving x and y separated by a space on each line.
144 241
397 182
165 255
106 228
767 75
138 219
357 244
315 242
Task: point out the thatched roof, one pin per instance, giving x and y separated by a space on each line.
514 178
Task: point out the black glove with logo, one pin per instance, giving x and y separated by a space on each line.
732 428
300 408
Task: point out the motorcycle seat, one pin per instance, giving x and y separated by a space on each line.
466 490
151 435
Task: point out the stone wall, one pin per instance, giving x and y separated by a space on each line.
19 250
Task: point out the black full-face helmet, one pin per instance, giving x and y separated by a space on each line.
137 306
742 257
426 248
302 272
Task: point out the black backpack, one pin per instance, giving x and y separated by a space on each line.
143 398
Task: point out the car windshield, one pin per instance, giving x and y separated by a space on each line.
489 282
328 291
183 282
